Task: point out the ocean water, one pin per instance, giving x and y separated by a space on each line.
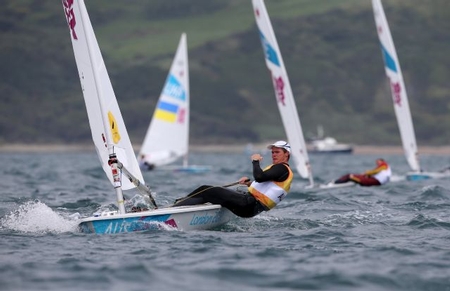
393 237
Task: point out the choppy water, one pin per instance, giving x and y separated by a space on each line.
394 237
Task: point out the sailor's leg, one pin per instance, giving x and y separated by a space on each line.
343 179
364 180
193 198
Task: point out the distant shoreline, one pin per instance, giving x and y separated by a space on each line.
359 149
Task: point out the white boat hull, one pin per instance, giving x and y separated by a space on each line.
328 186
333 185
418 176
329 145
186 218
336 150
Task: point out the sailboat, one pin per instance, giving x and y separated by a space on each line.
283 92
114 148
167 138
400 98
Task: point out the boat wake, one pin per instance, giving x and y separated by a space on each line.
36 217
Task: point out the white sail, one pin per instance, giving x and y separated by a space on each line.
105 119
283 91
398 90
167 138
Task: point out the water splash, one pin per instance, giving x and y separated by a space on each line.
36 217
138 201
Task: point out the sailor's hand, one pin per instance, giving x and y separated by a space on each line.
244 181
256 157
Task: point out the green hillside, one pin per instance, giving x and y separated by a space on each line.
330 49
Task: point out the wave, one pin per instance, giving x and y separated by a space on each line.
421 221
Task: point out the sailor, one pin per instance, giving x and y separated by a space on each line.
144 165
380 175
269 187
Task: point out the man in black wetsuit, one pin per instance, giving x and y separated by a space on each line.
269 187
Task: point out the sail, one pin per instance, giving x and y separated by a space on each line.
167 138
105 119
398 90
283 92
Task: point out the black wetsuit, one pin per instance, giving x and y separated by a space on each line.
242 204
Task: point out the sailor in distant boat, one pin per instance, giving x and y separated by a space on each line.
270 186
144 165
380 175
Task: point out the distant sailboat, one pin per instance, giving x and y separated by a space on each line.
399 96
167 138
283 91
